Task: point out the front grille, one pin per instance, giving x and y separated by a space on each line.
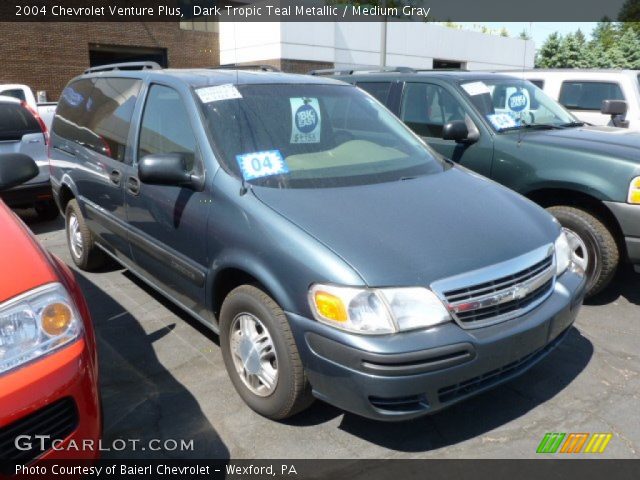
504 298
486 380
56 421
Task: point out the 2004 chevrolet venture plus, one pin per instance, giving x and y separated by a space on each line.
336 254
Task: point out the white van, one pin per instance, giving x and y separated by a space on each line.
583 91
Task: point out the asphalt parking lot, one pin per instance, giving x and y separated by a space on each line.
162 376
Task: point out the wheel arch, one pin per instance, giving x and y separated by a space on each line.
249 271
551 196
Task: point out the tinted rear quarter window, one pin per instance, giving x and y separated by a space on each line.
538 83
16 121
96 113
583 95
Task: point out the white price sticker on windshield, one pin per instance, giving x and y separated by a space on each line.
501 121
217 93
476 88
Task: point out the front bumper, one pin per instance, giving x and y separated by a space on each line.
27 195
628 217
406 375
55 396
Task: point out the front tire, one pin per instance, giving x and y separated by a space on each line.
260 354
85 254
593 246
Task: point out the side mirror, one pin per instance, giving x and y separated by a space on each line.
168 169
617 109
16 168
614 107
457 131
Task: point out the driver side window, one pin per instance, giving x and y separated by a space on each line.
165 126
426 108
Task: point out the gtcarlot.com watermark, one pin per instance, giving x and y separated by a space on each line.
44 442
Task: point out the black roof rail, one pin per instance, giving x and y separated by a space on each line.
351 71
124 66
261 67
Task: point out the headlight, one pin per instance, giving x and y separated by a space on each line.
35 324
634 191
563 253
376 311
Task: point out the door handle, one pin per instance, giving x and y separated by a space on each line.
115 176
133 185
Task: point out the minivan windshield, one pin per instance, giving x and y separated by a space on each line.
311 136
513 104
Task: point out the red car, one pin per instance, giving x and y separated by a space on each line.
49 400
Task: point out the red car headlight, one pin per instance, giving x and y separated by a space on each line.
35 324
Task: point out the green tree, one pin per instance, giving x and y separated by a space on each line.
606 33
629 46
629 15
572 51
548 55
524 35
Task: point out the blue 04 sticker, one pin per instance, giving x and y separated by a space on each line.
261 164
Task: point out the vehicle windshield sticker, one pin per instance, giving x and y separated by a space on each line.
217 93
261 164
518 101
306 121
501 121
476 88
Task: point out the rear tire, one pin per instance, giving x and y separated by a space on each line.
85 254
47 210
263 342
601 248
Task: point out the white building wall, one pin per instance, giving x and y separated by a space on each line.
357 44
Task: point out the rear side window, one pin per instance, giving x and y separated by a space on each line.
96 113
14 93
16 121
588 95
538 83
378 90
165 125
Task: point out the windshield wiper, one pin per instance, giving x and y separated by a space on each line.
573 124
541 126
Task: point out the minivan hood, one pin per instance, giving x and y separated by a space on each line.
414 232
612 142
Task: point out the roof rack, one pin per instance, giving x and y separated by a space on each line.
261 67
125 66
351 71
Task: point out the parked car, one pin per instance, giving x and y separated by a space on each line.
509 130
48 365
23 131
584 91
24 93
337 256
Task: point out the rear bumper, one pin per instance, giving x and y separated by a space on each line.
56 396
27 195
416 373
628 217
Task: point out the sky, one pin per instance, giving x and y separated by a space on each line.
538 31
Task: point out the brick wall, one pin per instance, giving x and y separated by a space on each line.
46 56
